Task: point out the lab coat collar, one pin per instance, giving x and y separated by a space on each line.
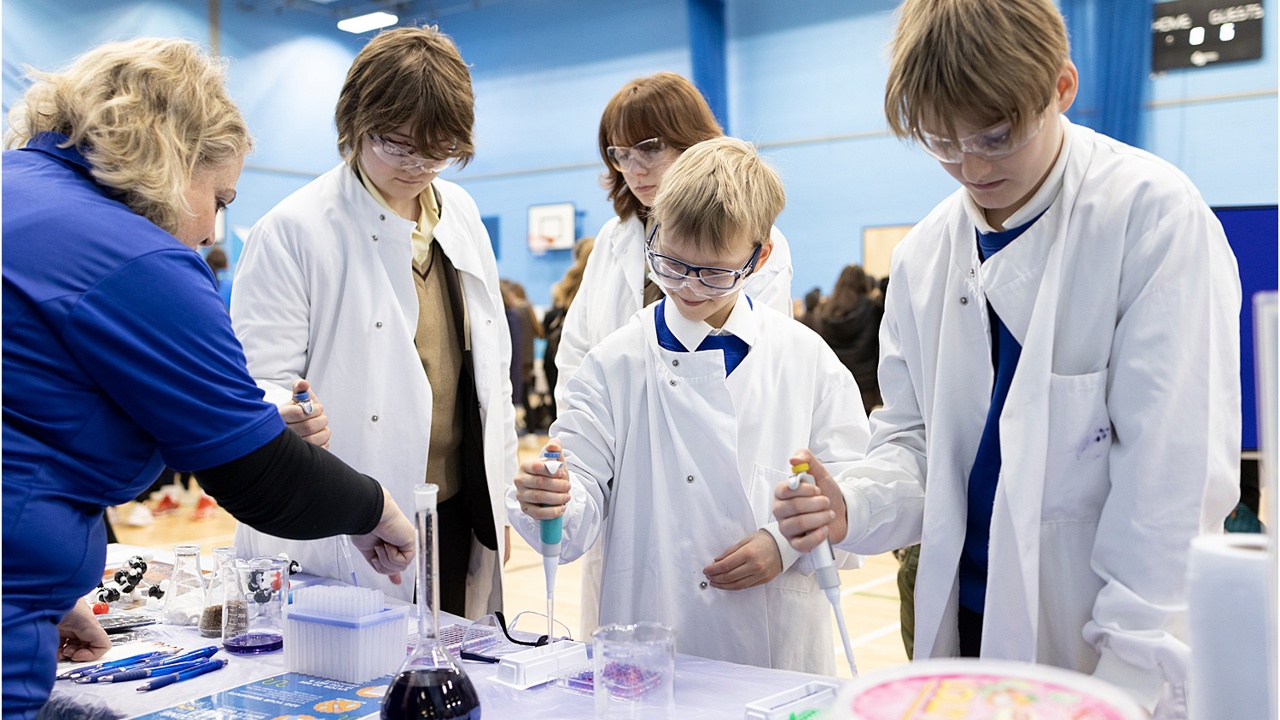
453 239
1039 202
626 242
365 205
742 323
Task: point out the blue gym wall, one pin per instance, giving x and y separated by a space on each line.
805 82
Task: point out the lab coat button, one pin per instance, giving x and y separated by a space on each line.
675 363
689 479
971 272
672 382
703 585
378 324
964 301
488 322
375 238
382 218
375 418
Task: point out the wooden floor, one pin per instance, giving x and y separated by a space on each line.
870 593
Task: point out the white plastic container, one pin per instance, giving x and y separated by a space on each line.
343 633
540 665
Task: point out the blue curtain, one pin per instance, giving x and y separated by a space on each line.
706 48
1111 46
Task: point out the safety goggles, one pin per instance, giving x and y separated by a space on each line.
400 156
672 274
491 638
995 142
646 155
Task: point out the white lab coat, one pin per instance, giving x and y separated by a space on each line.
324 291
679 464
612 291
1120 436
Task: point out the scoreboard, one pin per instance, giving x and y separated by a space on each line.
1197 33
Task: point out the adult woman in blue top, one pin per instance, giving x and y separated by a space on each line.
118 354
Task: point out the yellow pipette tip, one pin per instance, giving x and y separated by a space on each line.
802 467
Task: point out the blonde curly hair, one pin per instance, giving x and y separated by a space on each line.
146 113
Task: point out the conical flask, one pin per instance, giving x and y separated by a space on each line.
184 597
431 684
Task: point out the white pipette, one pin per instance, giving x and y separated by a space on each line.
824 563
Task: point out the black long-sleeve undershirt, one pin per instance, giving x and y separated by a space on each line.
292 489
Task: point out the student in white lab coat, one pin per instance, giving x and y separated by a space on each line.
675 453
1059 365
643 129
377 283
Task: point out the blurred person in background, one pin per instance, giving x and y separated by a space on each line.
849 320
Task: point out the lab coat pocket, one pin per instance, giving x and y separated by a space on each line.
1076 479
794 580
760 491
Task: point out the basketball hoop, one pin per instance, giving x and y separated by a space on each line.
540 244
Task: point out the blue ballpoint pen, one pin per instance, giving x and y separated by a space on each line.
121 663
198 654
146 672
163 661
158 682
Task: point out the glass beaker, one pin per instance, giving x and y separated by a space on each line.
184 598
633 668
224 569
252 616
430 685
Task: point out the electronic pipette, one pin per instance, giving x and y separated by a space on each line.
550 531
824 564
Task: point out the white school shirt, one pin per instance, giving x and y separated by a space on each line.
679 463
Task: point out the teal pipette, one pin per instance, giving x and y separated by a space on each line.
550 532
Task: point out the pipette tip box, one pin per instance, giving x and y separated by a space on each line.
343 633
800 701
540 665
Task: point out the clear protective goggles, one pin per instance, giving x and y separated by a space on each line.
995 142
491 637
672 274
646 154
400 156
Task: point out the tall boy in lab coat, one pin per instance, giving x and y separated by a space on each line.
1059 364
679 424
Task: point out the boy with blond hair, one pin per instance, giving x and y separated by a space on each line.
678 425
1059 365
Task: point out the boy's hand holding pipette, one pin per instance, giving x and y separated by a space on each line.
755 560
305 415
808 514
542 493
